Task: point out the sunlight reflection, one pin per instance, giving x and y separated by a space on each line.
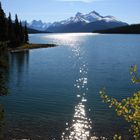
81 126
69 39
68 35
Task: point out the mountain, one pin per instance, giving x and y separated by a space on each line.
37 25
86 23
79 23
87 18
130 29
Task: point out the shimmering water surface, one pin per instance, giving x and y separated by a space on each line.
54 92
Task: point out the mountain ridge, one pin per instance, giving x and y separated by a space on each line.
79 23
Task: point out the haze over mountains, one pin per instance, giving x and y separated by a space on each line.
78 23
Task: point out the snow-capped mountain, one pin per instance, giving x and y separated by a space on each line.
85 18
38 25
78 23
85 23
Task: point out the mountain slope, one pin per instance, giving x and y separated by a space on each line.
81 27
131 29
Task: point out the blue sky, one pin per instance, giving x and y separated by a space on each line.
55 10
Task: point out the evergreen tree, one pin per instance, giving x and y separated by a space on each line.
9 26
21 33
11 31
9 19
17 31
12 34
3 25
26 33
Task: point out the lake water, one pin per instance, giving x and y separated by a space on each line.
54 92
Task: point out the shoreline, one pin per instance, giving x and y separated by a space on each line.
27 47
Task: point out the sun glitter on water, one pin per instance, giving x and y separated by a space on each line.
80 127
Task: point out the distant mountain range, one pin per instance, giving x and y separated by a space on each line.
79 23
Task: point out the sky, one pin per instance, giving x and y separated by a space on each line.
56 10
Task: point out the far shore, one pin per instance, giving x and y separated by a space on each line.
26 47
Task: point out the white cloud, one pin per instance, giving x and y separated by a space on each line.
86 1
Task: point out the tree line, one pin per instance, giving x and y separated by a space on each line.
129 29
12 33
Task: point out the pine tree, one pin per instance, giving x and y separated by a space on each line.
26 34
9 19
9 27
12 34
11 31
21 32
3 25
17 31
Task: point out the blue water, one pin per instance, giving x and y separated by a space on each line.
55 90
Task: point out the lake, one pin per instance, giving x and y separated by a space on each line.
54 92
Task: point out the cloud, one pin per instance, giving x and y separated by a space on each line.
86 1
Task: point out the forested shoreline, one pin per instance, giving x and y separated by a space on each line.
12 33
130 29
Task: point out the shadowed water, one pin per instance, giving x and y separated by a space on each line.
54 92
